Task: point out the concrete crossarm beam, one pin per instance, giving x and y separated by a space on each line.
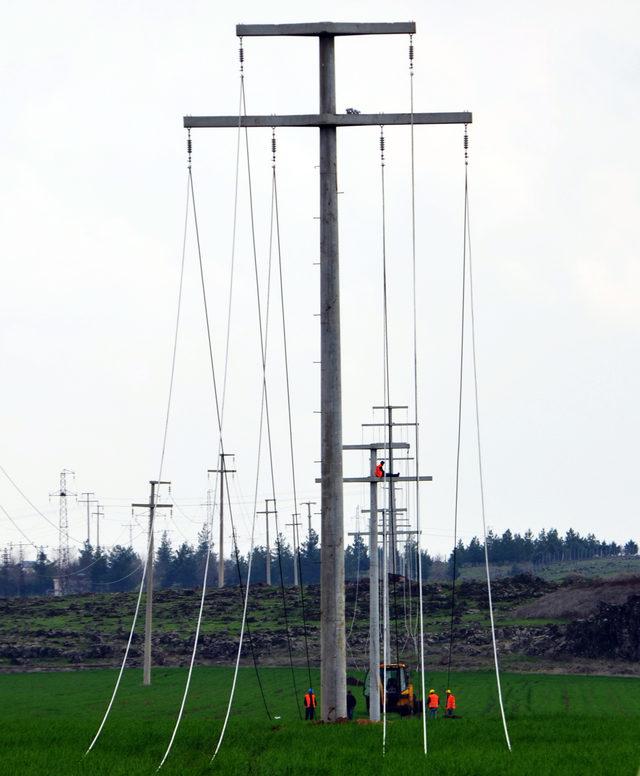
427 478
327 120
307 29
378 446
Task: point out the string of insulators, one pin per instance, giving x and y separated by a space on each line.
382 146
241 55
273 145
466 146
189 145
411 54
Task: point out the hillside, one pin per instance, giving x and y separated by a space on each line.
579 624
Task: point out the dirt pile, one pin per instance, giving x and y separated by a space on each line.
579 598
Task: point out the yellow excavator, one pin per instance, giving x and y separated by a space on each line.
400 693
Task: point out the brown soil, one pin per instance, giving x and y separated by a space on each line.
580 598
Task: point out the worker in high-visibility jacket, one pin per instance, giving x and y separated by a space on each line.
433 702
450 706
310 704
380 472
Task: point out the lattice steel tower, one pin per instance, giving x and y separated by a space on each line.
63 523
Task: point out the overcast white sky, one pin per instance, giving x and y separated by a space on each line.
92 195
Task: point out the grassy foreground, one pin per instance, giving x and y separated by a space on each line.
558 725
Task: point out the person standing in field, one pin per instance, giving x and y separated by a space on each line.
310 704
450 706
433 702
351 704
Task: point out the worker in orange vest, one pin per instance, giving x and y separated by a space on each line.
433 702
310 704
380 472
450 705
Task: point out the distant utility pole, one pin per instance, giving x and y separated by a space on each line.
88 501
332 623
222 471
266 514
98 514
63 528
151 506
390 425
294 525
130 525
308 505
374 573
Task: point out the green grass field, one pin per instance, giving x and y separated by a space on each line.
558 725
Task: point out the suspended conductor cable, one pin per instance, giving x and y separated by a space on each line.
264 339
459 433
385 629
289 414
152 521
33 506
415 401
233 247
262 409
482 502
241 587
17 527
220 448
385 571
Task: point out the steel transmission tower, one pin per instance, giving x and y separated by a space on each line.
63 524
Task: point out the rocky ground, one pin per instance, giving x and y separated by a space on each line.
575 625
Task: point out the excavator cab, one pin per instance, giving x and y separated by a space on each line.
400 695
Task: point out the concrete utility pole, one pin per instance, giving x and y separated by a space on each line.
266 514
151 506
63 529
221 471
294 525
332 624
98 514
374 572
88 501
308 505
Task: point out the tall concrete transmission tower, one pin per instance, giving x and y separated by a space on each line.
63 525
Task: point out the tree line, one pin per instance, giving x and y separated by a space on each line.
120 568
545 548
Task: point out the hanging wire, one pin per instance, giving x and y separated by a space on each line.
17 527
276 212
221 452
264 406
264 340
34 507
162 455
385 543
415 401
477 412
241 586
459 432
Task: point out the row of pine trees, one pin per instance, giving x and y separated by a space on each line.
120 568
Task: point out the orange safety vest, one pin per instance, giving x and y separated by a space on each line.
310 701
451 701
433 701
379 470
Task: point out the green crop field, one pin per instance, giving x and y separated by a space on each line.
559 725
